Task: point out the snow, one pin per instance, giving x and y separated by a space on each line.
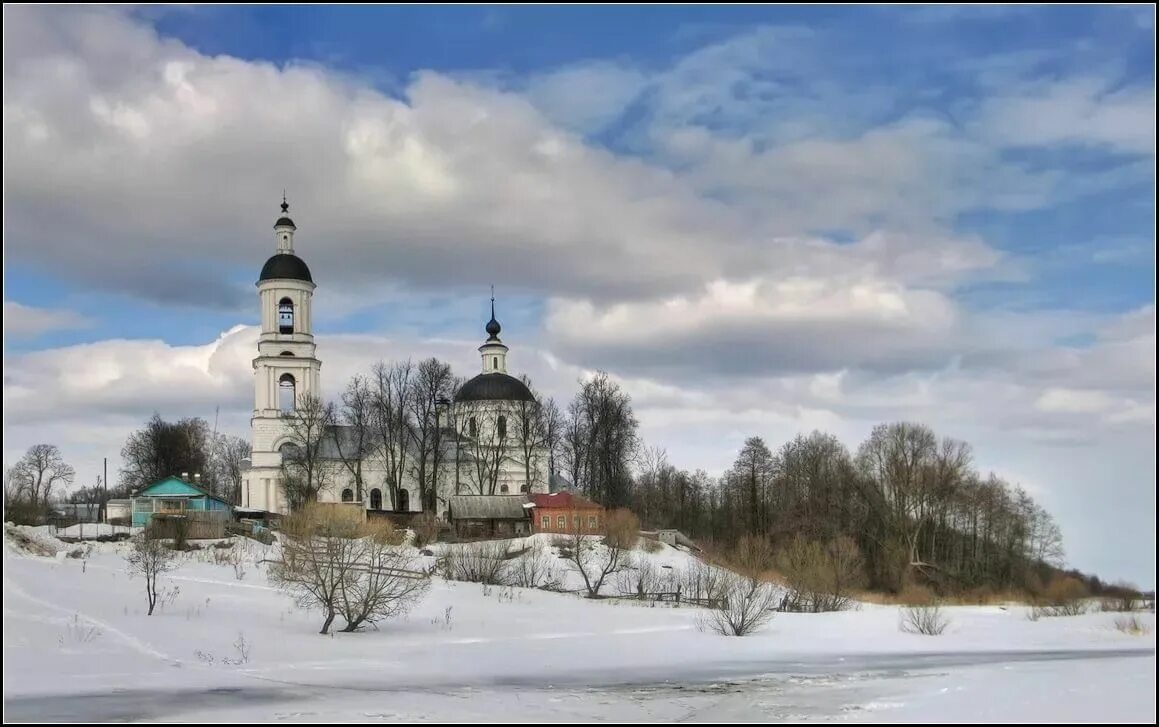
75 630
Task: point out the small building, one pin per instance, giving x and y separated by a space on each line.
174 496
566 512
118 511
489 516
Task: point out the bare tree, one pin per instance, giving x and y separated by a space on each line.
37 473
151 558
163 449
530 436
229 455
431 386
747 601
341 566
355 441
595 561
393 421
601 440
306 468
484 445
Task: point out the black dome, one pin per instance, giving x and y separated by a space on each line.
285 266
285 221
493 327
494 387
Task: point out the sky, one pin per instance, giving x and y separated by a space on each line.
761 220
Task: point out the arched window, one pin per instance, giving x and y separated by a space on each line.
502 427
376 499
289 452
348 495
285 316
403 501
472 427
524 488
503 489
286 353
495 363
287 396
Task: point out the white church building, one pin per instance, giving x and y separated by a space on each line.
287 368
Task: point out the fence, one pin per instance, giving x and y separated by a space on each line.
198 525
68 529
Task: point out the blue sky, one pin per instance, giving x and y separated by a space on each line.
845 214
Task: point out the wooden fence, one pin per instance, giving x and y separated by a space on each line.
197 525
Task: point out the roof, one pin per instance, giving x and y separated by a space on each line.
175 486
285 266
487 507
494 387
285 222
564 500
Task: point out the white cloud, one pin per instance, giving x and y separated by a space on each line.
25 321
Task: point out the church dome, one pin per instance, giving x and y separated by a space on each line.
494 387
285 222
285 266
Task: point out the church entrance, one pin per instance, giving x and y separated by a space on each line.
403 501
376 499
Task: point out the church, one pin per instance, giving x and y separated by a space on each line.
288 368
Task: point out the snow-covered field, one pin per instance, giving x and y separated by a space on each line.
78 646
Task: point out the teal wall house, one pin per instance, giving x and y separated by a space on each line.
173 496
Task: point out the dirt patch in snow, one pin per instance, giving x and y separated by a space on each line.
24 539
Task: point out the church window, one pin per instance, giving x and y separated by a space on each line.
503 489
376 499
495 362
473 427
502 427
403 501
286 316
286 393
348 495
524 488
286 353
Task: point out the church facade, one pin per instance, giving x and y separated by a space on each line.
483 456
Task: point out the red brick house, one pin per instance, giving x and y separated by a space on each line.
566 512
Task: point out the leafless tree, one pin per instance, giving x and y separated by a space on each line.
747 601
163 449
306 467
226 462
485 445
530 436
601 440
386 581
151 558
431 385
355 441
393 420
595 560
33 478
318 559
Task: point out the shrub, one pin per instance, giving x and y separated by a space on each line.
651 545
149 558
532 569
1119 603
426 529
1063 597
1132 625
641 577
477 563
820 576
928 620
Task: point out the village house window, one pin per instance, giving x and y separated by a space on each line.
593 522
575 521
561 522
545 522
171 505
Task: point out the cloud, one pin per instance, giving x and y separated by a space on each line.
24 321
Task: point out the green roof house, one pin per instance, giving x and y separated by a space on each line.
173 496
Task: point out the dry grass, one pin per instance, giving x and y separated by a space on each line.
1132 625
650 545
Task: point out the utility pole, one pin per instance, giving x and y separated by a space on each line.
105 499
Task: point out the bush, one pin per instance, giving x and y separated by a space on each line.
641 577
426 529
532 569
1064 596
746 602
484 563
1120 603
343 566
651 545
1132 625
928 620
820 576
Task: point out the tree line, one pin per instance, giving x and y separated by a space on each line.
912 503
